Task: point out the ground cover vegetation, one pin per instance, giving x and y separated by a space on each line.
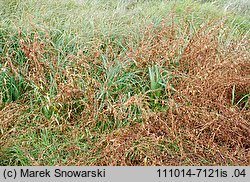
124 82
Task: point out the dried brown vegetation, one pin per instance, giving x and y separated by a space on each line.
200 117
200 120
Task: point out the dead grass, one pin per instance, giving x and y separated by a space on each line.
199 118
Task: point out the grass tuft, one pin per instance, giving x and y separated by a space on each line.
124 83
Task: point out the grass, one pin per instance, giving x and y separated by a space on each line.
124 82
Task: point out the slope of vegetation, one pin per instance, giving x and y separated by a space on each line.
124 82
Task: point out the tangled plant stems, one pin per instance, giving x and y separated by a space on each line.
134 83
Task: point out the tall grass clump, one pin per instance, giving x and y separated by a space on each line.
123 83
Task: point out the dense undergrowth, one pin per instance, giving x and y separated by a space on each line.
124 83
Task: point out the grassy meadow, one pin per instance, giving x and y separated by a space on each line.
124 82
